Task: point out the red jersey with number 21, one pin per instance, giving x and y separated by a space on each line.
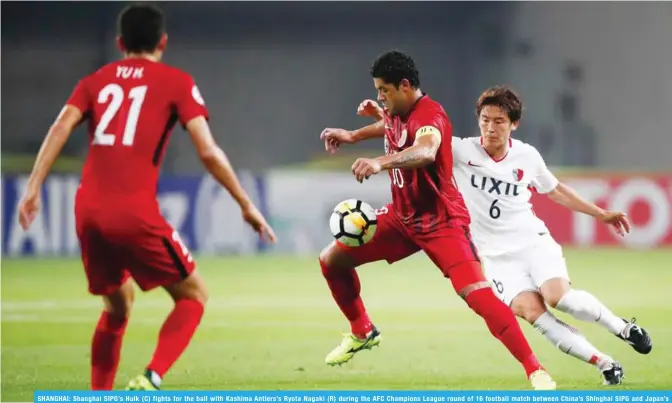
427 198
132 106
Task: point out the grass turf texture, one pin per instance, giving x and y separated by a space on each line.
271 321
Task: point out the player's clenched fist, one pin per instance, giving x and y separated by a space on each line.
333 138
370 108
364 168
256 220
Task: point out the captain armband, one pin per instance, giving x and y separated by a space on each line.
428 131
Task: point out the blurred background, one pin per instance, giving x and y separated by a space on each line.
596 79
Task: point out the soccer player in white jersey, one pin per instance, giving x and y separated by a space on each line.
496 175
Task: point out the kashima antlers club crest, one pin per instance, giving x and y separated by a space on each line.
518 174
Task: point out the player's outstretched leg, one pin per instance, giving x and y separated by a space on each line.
343 281
190 296
530 306
470 284
108 336
586 307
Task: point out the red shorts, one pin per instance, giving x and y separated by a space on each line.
448 247
120 243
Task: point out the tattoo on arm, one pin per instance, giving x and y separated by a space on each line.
412 156
420 154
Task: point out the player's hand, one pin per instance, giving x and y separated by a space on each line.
364 168
333 138
370 108
619 221
253 216
29 206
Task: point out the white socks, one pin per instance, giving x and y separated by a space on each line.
570 341
584 306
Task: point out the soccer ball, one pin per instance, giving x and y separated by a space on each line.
353 222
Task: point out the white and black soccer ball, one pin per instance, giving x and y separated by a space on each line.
353 222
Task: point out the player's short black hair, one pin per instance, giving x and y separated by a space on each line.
141 27
394 66
503 97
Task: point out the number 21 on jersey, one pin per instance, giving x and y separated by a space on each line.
114 94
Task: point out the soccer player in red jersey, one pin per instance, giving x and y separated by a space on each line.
132 106
427 213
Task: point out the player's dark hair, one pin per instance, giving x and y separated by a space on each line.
394 66
503 97
141 27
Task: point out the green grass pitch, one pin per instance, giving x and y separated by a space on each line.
271 321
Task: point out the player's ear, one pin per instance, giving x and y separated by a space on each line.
514 126
163 42
120 45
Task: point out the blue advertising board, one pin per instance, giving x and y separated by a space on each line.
198 207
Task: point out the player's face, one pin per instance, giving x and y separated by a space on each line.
394 99
495 125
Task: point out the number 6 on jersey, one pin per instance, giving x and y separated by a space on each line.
114 94
495 211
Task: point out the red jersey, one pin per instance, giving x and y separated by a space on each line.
427 198
132 106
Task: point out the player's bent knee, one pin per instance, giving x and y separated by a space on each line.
193 287
553 301
528 305
202 296
554 289
120 302
200 290
334 257
467 277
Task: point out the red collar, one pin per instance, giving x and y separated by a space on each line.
405 116
493 158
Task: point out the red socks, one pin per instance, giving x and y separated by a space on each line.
504 326
345 288
106 350
175 335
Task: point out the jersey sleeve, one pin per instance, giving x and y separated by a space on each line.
543 180
459 147
80 97
430 123
190 103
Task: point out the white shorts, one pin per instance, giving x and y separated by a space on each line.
526 269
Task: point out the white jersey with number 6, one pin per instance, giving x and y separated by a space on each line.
497 194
